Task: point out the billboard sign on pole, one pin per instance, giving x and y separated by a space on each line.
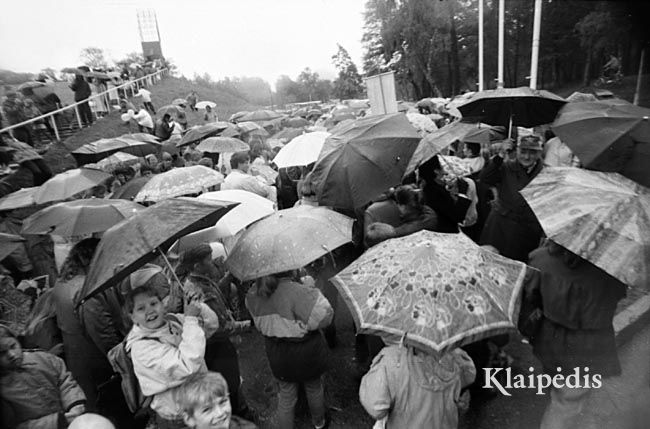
381 93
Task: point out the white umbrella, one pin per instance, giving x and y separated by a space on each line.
252 207
203 104
302 150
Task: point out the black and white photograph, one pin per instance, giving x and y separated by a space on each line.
297 214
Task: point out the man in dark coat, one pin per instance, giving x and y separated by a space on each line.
81 93
511 226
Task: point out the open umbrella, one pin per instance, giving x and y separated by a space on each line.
521 106
236 117
130 189
363 160
314 113
142 137
200 132
302 150
177 182
74 70
260 115
139 239
288 134
31 84
437 141
252 208
204 104
79 217
298 122
19 199
440 290
100 149
300 112
180 102
287 240
603 218
9 243
170 145
222 144
422 123
170 110
482 135
116 160
614 138
69 183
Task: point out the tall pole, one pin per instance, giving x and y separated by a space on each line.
480 46
501 23
638 79
535 51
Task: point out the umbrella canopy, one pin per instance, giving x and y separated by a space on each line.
605 219
422 123
252 208
287 240
259 115
614 138
132 243
130 189
581 96
116 160
74 70
180 102
171 145
341 110
19 199
204 104
437 141
288 134
526 107
97 75
483 135
69 183
177 182
314 112
31 84
142 137
236 117
79 217
200 132
363 159
300 112
298 122
9 243
222 144
100 149
302 150
247 127
442 290
170 110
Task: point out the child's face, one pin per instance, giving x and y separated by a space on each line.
148 312
11 354
212 415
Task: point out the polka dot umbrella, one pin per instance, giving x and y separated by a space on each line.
287 240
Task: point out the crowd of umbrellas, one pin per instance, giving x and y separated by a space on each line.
402 286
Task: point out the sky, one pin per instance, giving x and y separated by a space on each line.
263 38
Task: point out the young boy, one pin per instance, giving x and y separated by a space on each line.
203 398
166 350
37 391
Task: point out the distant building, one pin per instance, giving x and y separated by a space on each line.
149 35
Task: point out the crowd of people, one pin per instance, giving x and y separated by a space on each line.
174 331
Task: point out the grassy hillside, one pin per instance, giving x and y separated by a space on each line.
164 92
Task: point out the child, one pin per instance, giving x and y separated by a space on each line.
166 350
37 389
203 398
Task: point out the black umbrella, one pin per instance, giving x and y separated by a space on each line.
202 131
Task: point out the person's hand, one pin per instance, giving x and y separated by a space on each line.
193 302
75 412
508 145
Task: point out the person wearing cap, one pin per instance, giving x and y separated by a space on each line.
164 127
14 110
204 277
511 226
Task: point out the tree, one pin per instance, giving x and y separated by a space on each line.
50 73
309 81
94 58
348 84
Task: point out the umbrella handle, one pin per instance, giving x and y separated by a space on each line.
402 341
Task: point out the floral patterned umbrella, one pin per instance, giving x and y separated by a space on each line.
69 183
441 290
177 182
601 217
222 144
287 240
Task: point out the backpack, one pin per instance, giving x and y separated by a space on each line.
120 360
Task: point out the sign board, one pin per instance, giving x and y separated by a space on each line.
381 93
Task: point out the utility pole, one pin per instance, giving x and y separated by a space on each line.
535 50
501 35
481 85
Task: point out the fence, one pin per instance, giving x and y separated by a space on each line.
104 96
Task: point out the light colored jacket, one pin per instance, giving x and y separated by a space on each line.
413 389
164 358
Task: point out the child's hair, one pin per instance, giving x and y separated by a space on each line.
200 389
408 195
146 289
239 158
5 332
78 259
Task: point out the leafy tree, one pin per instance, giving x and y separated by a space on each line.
94 58
49 73
348 84
309 82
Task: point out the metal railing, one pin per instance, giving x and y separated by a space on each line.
131 85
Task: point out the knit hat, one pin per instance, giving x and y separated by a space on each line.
530 142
